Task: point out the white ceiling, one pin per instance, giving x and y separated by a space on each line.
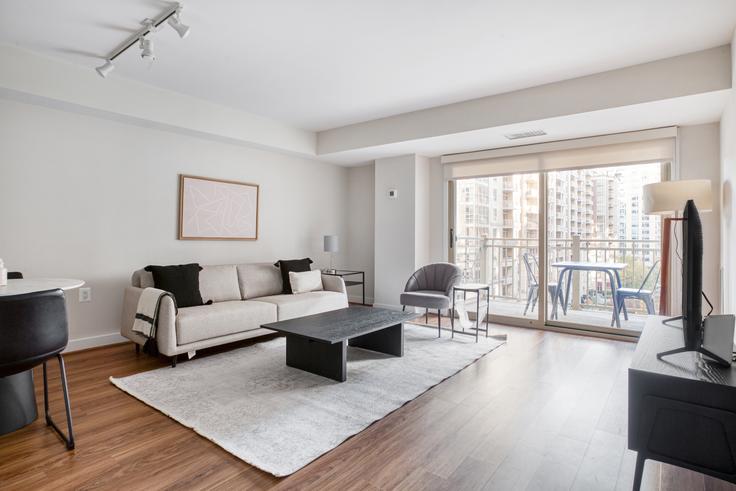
319 64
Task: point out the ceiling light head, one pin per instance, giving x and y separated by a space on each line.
175 23
104 70
147 49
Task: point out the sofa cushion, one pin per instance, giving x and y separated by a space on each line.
219 283
288 265
220 319
181 280
291 306
258 280
306 281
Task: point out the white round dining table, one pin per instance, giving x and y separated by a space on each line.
17 394
31 285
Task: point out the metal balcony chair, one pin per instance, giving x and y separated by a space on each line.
532 294
430 287
642 293
34 329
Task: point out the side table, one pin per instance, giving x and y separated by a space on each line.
476 288
342 273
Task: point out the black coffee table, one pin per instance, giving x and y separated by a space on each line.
318 343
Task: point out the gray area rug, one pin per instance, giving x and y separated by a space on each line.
278 418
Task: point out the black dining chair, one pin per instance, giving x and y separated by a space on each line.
34 329
15 275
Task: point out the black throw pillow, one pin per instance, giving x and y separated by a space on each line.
295 265
182 281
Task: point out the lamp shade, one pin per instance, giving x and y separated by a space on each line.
331 244
665 197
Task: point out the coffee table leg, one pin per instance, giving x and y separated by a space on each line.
389 340
327 360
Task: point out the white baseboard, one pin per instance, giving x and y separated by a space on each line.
94 341
359 299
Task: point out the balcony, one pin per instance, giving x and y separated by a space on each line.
590 300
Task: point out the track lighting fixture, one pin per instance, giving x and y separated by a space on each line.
147 49
172 15
104 70
176 24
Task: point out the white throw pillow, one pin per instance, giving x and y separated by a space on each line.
308 281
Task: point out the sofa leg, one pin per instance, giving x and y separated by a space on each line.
403 308
173 361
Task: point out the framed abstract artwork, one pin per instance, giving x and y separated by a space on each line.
215 209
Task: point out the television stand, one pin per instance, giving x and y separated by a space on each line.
720 361
682 410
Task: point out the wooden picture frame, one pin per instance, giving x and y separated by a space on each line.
217 209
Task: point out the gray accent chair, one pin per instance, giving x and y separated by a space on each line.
430 287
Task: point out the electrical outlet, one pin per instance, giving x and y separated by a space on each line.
85 294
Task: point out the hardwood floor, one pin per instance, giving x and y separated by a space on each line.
545 411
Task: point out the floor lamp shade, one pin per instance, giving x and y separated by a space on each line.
331 243
665 198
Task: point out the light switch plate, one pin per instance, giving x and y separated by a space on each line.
85 294
393 193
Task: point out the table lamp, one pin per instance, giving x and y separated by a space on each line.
331 246
666 198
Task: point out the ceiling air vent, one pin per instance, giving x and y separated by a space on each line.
525 134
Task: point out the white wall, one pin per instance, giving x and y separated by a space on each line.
394 228
728 204
361 227
422 211
699 158
90 198
439 226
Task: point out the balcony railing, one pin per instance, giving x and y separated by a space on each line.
499 263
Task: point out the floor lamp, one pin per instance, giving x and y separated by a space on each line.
666 198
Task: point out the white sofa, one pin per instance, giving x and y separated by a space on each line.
244 296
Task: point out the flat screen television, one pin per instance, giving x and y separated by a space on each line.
692 277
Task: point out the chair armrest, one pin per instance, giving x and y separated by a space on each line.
166 330
333 283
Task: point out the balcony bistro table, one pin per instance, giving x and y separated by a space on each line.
17 396
342 273
610 269
477 288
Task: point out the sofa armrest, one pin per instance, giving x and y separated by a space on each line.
166 330
130 305
333 283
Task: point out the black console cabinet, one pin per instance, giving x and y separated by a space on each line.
682 409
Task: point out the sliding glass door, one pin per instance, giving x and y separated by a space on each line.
496 226
602 247
566 248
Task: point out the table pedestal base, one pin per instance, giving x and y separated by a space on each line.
17 401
